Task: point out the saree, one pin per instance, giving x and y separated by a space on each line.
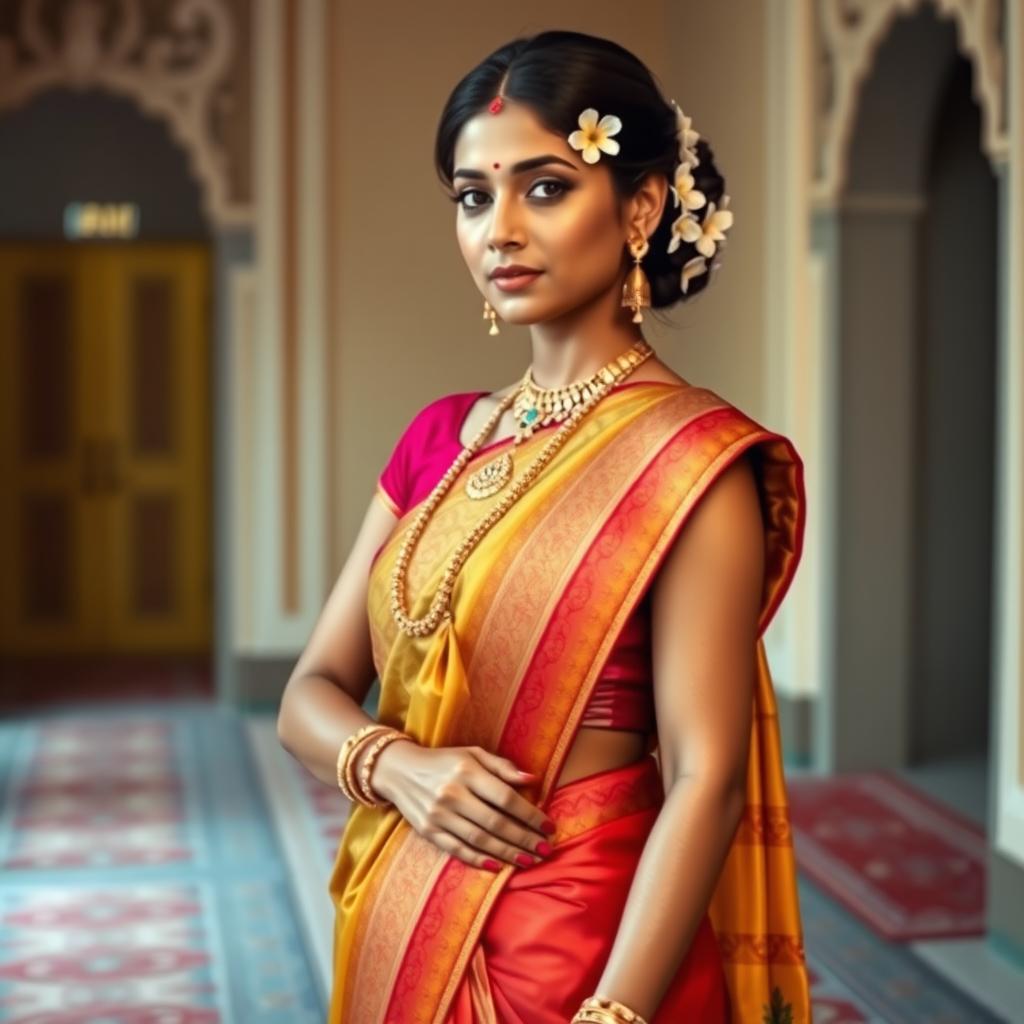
535 610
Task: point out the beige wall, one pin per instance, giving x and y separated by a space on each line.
408 322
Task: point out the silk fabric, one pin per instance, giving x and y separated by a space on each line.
536 610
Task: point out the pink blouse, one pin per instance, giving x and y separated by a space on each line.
623 697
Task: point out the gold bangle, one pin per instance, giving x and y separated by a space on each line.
353 760
366 767
603 1010
344 752
351 769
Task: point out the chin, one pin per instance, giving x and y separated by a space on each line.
532 310
521 314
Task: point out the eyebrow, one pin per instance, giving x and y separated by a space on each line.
523 165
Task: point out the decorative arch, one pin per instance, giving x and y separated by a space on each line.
173 63
850 33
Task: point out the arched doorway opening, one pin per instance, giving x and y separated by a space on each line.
107 444
915 250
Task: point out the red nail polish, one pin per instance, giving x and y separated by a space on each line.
548 826
525 859
491 864
543 848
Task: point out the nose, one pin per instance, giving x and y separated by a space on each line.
505 227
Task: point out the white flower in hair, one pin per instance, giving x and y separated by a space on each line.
705 236
684 229
715 223
593 135
683 190
687 136
687 229
692 268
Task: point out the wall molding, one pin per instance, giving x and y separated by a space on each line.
849 35
175 69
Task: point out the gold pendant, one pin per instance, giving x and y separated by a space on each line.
490 479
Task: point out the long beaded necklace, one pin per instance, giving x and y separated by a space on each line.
535 407
440 605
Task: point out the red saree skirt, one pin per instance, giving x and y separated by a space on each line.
548 935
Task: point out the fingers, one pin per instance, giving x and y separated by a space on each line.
488 828
477 816
454 846
474 831
504 797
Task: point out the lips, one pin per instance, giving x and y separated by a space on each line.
513 270
515 282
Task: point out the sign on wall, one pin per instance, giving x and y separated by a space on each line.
101 220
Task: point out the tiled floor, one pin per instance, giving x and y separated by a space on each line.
973 964
140 874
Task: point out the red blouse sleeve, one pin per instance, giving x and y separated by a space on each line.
425 449
391 482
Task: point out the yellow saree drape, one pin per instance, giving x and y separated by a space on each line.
536 609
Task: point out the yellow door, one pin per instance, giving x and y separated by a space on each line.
105 448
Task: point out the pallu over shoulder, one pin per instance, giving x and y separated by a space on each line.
536 609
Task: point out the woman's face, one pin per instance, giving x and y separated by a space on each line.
559 215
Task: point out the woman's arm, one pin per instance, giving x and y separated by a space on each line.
322 701
706 603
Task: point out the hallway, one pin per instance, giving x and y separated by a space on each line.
170 859
228 287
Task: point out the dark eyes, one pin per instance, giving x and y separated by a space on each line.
560 186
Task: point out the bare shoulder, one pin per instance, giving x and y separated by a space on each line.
722 543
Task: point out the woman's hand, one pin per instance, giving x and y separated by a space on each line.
462 800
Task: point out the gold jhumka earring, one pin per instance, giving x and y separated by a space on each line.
636 290
489 312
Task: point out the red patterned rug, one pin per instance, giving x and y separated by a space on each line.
906 865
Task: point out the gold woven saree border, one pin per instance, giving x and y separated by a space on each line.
593 800
408 878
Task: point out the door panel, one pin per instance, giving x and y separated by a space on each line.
157 452
51 392
104 448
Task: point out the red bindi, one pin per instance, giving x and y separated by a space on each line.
496 166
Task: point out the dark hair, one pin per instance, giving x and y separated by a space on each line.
560 73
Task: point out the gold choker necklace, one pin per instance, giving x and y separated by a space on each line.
535 407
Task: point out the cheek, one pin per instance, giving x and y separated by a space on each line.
462 237
472 242
582 245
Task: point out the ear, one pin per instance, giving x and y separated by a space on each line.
646 206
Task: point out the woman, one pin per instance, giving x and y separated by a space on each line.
541 622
